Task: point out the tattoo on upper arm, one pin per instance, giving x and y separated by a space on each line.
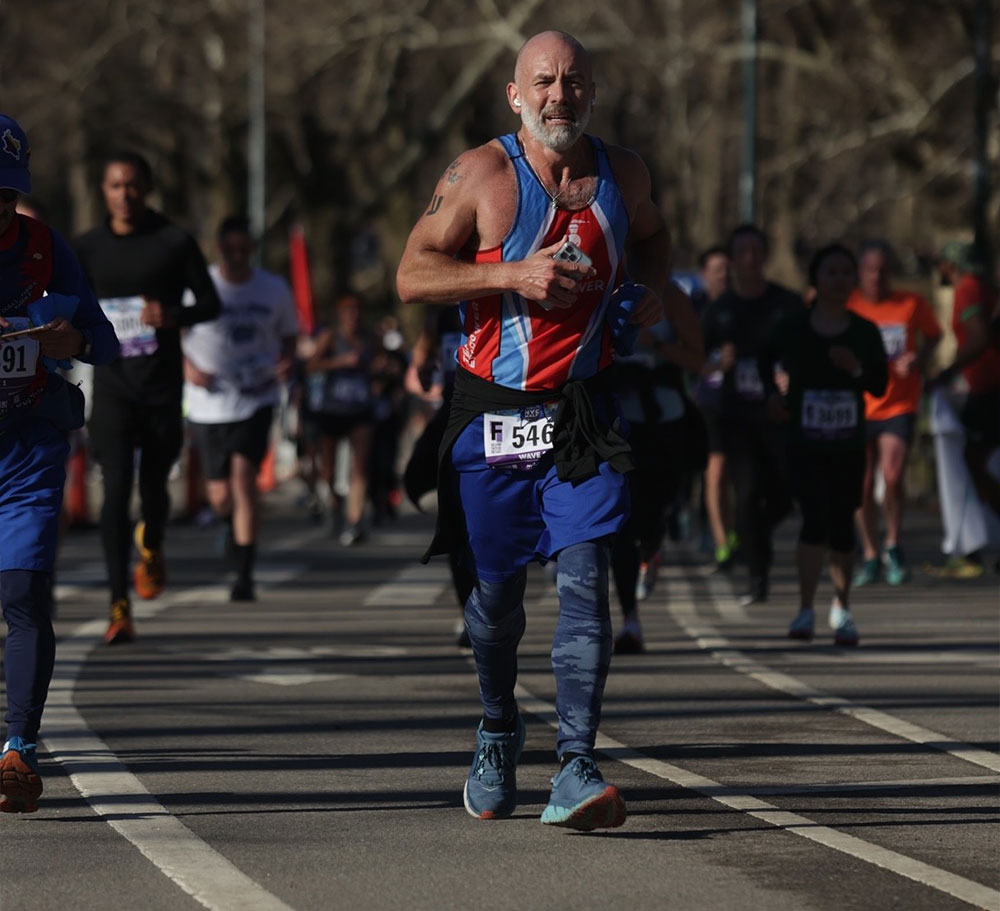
451 177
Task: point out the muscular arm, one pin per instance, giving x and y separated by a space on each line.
463 208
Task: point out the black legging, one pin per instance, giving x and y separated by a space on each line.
756 464
652 484
828 486
117 428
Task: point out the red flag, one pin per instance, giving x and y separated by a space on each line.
301 284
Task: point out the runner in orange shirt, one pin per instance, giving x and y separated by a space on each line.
910 332
978 361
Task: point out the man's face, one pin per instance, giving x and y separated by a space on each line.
715 275
236 250
748 257
873 275
8 207
556 91
125 191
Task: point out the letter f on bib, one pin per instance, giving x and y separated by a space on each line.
496 430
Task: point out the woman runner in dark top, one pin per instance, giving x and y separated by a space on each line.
832 357
339 401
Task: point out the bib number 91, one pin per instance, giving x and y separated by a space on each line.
12 358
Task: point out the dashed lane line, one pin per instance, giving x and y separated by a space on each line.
120 798
411 587
738 799
708 638
746 800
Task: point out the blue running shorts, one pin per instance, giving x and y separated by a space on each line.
515 517
32 476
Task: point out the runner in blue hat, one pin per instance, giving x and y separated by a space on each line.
38 408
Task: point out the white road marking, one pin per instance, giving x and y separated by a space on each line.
967 657
728 607
118 796
736 799
294 653
114 793
416 585
745 800
277 678
858 787
708 638
270 573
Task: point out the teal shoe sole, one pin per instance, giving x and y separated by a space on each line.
603 811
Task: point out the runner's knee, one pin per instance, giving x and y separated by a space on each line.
582 581
27 600
842 538
495 609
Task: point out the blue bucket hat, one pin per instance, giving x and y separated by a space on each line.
14 154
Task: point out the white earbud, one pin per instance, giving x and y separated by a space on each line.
517 102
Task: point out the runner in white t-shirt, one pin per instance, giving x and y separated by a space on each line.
234 367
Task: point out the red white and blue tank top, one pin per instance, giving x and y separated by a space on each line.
516 343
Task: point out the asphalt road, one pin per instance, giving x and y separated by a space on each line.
308 751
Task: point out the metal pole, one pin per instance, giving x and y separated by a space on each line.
748 176
256 111
982 31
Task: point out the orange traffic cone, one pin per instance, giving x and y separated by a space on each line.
267 478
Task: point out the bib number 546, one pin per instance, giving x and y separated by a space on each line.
532 435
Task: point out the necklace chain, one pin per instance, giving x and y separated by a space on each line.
553 196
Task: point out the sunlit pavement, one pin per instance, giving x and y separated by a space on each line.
308 751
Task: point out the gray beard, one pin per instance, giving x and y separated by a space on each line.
560 138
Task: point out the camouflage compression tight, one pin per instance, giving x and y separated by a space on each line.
581 648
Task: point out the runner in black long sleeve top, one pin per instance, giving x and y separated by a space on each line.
140 265
157 262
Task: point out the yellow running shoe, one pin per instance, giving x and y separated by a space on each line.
151 571
120 626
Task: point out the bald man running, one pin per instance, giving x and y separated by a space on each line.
532 446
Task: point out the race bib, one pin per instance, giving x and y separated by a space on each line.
351 389
893 339
520 437
18 365
748 382
18 358
829 414
134 336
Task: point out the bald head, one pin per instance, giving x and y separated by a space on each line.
543 45
553 89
